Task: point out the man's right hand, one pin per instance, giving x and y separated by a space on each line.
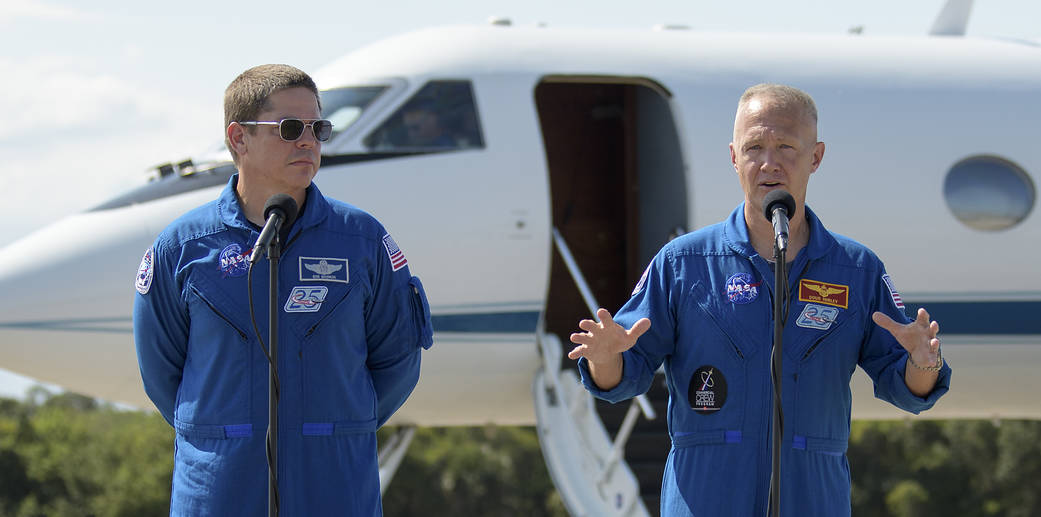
602 345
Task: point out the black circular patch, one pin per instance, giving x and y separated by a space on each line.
708 390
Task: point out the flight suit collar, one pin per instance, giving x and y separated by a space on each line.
735 234
229 209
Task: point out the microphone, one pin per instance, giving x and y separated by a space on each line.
280 210
778 206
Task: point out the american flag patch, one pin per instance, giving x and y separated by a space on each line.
899 302
397 258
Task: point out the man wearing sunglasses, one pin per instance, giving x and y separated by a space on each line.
352 323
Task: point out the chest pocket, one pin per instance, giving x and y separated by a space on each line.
808 341
215 386
708 371
337 387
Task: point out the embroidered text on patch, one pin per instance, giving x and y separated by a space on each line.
323 269
822 292
306 298
741 288
234 262
397 258
818 317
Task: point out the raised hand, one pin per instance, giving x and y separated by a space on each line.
602 342
918 337
922 345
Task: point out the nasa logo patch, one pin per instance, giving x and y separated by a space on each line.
741 288
306 298
708 390
144 273
233 261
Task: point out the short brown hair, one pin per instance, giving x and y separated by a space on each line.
247 95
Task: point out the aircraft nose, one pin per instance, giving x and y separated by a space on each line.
67 295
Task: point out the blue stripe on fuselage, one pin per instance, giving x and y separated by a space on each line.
961 317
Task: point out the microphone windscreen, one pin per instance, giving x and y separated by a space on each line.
285 204
778 199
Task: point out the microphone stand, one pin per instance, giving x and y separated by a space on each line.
780 302
273 254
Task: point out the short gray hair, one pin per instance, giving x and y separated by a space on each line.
783 96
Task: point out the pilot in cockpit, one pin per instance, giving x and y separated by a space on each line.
424 127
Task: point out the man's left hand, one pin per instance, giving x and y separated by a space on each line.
918 337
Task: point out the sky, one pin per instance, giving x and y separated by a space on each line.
96 93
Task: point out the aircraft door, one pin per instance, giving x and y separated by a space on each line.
618 193
617 184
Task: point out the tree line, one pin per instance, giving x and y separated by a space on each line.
68 455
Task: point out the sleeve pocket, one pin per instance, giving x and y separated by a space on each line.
421 313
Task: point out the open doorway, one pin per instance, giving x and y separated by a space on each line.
619 192
617 184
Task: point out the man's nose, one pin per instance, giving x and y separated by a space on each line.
771 161
307 139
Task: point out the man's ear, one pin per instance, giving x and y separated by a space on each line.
818 155
236 135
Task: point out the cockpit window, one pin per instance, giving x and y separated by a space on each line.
343 106
441 116
989 193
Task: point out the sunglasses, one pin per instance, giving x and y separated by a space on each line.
291 129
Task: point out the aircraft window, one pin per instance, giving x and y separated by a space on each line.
441 116
989 193
342 106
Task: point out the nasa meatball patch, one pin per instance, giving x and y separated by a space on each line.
234 262
708 390
144 273
742 288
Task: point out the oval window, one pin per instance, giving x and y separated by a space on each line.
988 193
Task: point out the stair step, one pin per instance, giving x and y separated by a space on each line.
648 445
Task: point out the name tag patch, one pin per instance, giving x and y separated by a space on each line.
306 298
818 317
824 293
323 269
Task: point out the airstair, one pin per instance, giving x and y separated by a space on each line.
605 459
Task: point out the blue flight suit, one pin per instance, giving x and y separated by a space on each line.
352 323
708 295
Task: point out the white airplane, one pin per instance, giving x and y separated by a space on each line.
567 158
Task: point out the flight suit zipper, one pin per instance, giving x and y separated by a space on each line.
219 314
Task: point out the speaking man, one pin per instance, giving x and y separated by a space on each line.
704 309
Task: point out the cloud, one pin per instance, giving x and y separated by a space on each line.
14 10
75 136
